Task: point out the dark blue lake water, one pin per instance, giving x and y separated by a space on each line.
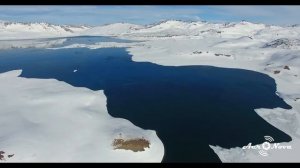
190 107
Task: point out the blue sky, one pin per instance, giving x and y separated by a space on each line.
98 15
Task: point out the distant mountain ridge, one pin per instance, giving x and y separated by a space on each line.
162 29
23 30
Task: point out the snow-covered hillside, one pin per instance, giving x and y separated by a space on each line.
18 30
284 43
112 29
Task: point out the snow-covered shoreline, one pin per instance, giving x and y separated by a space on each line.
185 51
45 120
33 43
99 45
272 50
280 64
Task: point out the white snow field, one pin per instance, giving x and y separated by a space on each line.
45 120
269 49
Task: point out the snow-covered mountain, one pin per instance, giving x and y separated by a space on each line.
172 28
176 28
18 30
164 29
229 34
112 29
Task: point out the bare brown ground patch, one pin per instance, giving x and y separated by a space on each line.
137 144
